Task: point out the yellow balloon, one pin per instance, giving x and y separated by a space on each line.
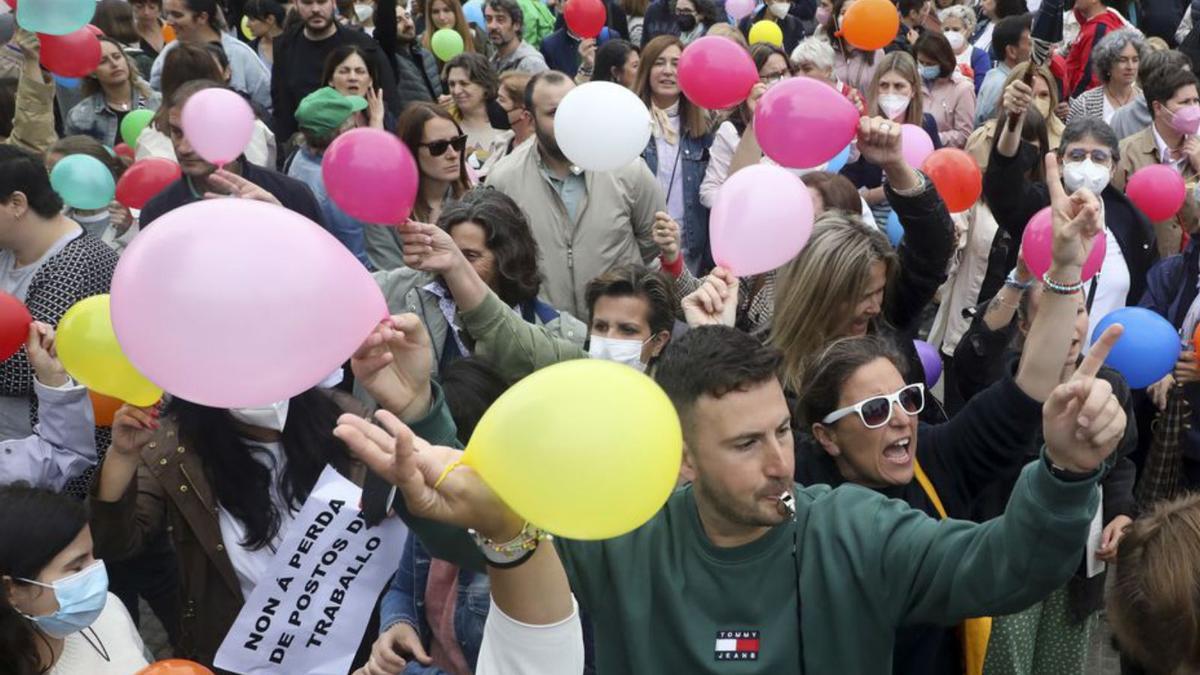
585 449
766 31
88 349
246 28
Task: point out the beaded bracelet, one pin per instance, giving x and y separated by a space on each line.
513 552
1061 289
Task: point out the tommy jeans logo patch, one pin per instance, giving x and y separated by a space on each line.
737 645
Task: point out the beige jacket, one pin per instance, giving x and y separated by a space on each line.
612 225
1140 150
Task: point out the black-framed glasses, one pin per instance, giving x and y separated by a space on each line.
439 148
877 410
1099 155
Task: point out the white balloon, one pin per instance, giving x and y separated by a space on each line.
602 126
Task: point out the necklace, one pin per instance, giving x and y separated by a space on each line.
1117 102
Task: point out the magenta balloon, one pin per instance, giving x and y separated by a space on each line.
1037 247
916 145
218 124
1158 190
371 175
237 303
761 219
802 123
716 73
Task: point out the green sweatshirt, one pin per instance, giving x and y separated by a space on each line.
663 599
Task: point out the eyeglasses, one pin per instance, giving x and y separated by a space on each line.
439 148
877 410
1099 156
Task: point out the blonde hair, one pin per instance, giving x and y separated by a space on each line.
727 31
903 64
816 291
1154 605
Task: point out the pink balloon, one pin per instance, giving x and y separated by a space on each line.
716 73
802 123
1157 190
357 163
218 124
1037 245
761 219
916 145
237 303
739 9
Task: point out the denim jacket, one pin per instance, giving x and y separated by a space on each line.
693 162
404 602
92 116
305 166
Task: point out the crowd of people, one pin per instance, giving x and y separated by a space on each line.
903 449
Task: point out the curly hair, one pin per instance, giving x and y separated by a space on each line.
507 236
963 14
1109 48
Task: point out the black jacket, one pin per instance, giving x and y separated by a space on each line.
790 24
291 193
417 77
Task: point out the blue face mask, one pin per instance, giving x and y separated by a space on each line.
81 597
931 72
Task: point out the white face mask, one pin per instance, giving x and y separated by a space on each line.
363 12
955 39
1085 174
779 9
893 105
628 352
272 416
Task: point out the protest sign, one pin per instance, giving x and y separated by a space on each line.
310 608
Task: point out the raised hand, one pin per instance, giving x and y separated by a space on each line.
233 185
715 302
1082 421
132 429
666 236
415 467
1076 222
375 108
756 93
1017 97
429 248
394 365
879 141
42 356
587 53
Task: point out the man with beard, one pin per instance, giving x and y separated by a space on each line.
417 77
300 55
505 25
585 222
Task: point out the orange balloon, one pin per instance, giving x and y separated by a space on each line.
104 407
1196 340
870 24
168 33
175 667
956 176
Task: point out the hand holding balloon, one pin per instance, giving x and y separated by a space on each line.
233 185
879 142
666 236
1077 223
1186 369
429 248
394 365
132 429
715 302
42 356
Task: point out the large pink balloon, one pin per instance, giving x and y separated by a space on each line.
371 175
761 219
716 73
237 303
802 122
1158 190
916 145
1037 248
218 124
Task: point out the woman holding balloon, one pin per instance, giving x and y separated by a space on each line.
677 153
111 92
448 15
108 222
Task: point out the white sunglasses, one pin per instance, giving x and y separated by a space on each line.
877 410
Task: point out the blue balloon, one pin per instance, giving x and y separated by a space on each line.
55 17
835 165
604 36
67 82
895 231
473 10
83 182
1147 350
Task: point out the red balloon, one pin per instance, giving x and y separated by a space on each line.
12 4
175 667
14 325
123 150
956 176
95 31
1158 190
716 73
585 18
145 179
72 55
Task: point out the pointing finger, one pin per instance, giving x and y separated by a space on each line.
1099 352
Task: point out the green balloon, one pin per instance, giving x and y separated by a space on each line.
446 44
133 125
83 182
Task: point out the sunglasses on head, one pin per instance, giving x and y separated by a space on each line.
439 148
877 410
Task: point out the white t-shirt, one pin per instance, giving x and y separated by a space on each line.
110 646
1112 285
510 647
251 565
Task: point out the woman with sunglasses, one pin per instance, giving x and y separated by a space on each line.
439 145
861 419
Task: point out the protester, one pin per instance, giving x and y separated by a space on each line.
777 12
1169 142
1135 116
913 14
505 23
32 122
111 224
440 14
112 91
149 24
439 145
199 22
265 20
1045 101
1012 46
813 57
416 67
473 87
1116 58
991 13
348 70
958 24
1095 21
584 222
617 61
56 614
853 66
114 18
511 99
950 95
300 56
